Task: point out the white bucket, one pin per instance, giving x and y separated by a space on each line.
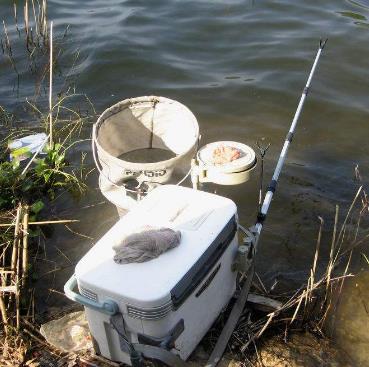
143 138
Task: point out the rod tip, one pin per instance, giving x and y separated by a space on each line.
322 43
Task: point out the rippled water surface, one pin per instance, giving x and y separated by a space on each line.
240 66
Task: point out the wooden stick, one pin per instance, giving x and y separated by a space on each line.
31 325
51 88
264 303
4 316
17 278
42 222
25 247
4 277
16 233
8 289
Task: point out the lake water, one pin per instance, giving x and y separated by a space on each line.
240 66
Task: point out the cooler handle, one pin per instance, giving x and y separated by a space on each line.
108 307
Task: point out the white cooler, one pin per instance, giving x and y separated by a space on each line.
171 301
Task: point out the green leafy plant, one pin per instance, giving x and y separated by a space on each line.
47 175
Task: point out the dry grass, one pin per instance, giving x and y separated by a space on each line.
21 344
34 32
309 306
14 272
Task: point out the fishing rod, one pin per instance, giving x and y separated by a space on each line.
255 231
282 157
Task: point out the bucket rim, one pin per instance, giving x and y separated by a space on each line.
119 106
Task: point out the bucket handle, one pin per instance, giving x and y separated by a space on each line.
108 307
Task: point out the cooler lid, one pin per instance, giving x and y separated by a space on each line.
207 224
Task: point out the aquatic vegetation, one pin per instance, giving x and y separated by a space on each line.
45 178
5 117
33 29
50 172
25 42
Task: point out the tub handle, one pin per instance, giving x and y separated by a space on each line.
108 307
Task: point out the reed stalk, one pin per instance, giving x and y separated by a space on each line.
35 17
4 316
4 275
51 88
25 246
333 243
7 40
13 266
309 306
7 49
41 222
43 20
15 16
26 19
17 291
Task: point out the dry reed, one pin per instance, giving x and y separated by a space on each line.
16 299
51 136
309 306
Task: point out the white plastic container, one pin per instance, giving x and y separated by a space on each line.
186 287
234 172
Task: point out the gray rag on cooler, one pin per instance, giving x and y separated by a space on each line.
146 244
